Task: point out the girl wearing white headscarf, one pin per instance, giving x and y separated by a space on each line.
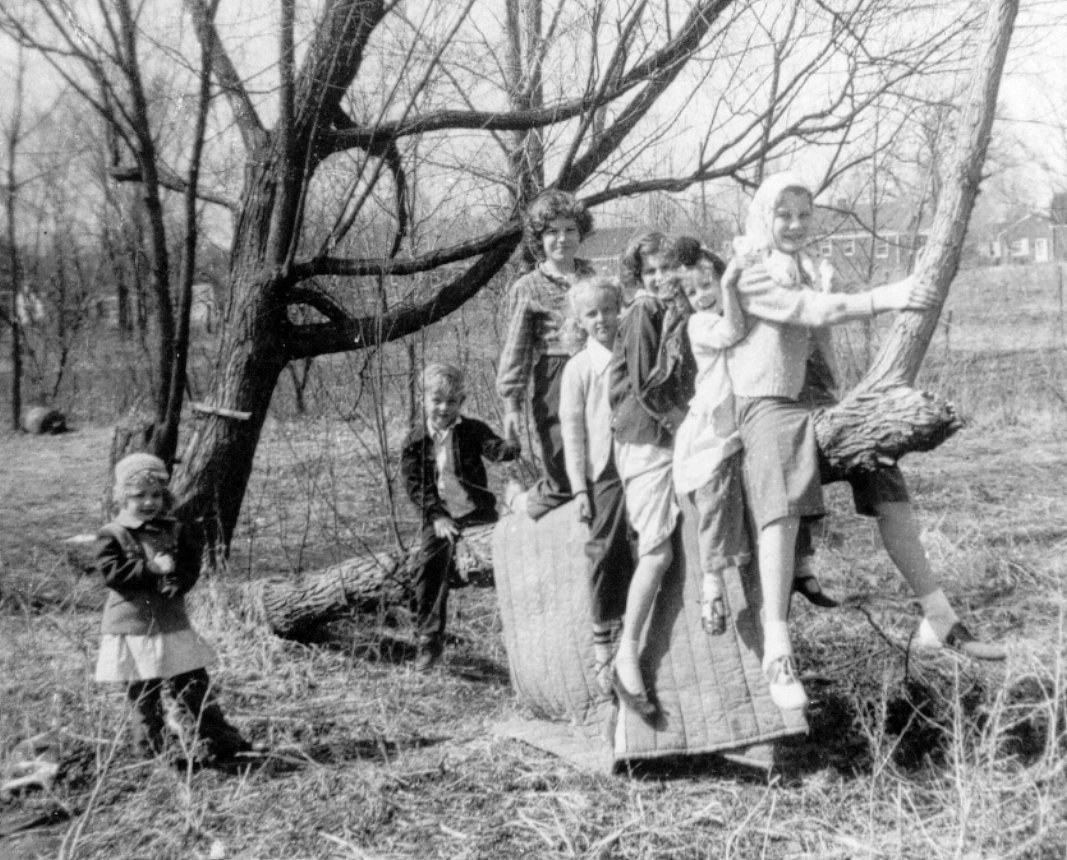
787 316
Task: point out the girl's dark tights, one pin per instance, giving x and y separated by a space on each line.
192 693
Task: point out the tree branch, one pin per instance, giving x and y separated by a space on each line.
507 235
321 302
251 127
309 340
172 182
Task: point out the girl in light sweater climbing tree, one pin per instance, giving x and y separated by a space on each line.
788 341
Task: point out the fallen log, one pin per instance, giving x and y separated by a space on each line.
297 608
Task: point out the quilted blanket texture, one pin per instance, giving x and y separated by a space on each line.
711 692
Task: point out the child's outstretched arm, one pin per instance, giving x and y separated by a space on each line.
762 297
498 450
910 294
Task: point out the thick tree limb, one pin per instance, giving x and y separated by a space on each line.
251 127
422 263
309 340
320 302
662 67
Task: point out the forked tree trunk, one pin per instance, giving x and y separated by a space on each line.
878 422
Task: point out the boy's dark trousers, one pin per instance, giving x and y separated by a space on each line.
609 548
192 692
432 570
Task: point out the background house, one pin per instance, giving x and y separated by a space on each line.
871 244
604 246
1037 237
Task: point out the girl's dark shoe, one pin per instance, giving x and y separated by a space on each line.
808 587
639 703
961 640
428 654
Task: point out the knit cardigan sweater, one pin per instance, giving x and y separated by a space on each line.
784 322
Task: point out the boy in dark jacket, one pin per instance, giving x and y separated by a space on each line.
443 470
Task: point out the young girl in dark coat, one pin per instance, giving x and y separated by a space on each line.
149 563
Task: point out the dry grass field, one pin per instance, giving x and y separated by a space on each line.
909 756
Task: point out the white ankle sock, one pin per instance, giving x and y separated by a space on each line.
628 664
938 612
712 585
776 641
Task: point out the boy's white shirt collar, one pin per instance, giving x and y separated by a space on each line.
599 355
441 435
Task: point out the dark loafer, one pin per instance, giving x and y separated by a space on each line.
809 588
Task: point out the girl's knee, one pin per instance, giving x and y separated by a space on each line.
662 554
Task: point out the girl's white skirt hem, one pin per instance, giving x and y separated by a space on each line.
125 657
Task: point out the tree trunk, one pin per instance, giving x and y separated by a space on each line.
214 470
216 463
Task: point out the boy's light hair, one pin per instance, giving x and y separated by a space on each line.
587 287
441 376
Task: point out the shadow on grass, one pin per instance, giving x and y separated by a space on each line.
707 766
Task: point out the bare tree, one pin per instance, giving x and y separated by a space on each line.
578 95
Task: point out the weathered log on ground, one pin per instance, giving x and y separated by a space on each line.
874 428
297 608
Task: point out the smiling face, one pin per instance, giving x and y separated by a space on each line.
654 273
791 226
442 406
598 314
702 287
560 241
144 502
